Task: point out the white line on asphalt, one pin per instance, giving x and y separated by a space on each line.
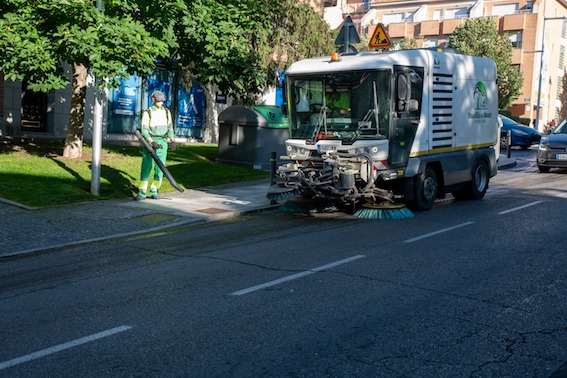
437 232
60 347
297 275
520 207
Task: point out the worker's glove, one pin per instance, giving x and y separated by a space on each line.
156 146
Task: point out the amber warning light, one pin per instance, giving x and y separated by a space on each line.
335 57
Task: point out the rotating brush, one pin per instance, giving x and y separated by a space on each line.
384 211
282 194
307 206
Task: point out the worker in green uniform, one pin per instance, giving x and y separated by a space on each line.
157 129
338 104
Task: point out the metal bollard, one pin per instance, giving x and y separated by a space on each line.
508 143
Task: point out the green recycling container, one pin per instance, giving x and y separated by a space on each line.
249 134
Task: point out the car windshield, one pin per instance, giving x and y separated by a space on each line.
561 128
347 106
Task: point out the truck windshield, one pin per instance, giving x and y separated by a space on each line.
348 106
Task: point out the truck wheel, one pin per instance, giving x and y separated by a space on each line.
543 169
480 178
477 187
425 190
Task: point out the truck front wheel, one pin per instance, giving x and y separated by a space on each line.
425 190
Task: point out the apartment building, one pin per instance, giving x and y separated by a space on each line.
537 30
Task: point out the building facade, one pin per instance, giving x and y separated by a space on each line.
537 30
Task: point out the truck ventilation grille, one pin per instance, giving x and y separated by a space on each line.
442 111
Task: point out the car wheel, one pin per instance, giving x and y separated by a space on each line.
543 169
504 142
425 190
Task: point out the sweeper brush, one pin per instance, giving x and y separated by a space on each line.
383 211
308 206
277 193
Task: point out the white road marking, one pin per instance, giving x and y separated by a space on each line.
437 232
520 207
297 275
60 347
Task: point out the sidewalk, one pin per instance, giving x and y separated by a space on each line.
26 230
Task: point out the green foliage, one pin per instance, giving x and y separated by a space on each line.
37 35
405 44
237 44
480 37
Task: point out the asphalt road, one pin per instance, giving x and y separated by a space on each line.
467 289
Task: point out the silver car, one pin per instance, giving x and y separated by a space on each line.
552 151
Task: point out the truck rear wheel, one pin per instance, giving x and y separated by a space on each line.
478 186
425 190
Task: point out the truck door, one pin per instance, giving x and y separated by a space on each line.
407 95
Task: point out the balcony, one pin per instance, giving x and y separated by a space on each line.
428 28
514 22
397 30
449 26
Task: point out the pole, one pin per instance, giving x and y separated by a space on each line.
540 75
97 131
97 143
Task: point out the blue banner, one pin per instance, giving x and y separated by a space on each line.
191 107
124 100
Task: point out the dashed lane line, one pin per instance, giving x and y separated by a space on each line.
61 347
296 276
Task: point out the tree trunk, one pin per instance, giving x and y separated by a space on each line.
213 109
74 140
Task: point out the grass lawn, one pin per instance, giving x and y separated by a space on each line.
35 174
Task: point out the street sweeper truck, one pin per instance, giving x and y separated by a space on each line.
378 129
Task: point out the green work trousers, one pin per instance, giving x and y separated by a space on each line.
148 163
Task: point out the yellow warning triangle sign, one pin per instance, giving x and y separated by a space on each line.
379 39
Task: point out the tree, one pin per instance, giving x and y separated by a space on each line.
37 35
237 44
405 44
480 37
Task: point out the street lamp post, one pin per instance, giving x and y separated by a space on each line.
97 130
541 66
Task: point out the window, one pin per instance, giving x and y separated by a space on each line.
437 14
409 16
504 9
456 13
516 39
392 18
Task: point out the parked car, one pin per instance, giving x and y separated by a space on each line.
552 151
522 136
